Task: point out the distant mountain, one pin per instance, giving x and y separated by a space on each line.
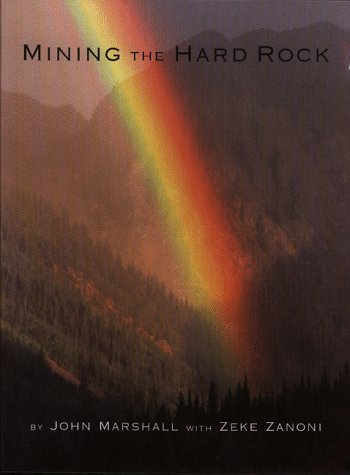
88 168
32 133
275 141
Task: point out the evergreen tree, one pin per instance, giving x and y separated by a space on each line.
213 404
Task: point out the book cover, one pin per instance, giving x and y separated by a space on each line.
175 236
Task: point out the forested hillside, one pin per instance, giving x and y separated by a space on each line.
275 143
112 328
31 393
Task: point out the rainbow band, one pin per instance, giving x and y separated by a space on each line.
167 149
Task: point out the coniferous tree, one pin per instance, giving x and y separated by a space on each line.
213 402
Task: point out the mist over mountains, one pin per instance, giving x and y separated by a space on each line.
275 141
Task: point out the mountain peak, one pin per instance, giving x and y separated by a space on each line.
208 37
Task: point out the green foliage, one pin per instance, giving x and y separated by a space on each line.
56 286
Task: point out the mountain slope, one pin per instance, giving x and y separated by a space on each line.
277 153
120 332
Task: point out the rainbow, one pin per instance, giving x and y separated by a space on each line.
156 118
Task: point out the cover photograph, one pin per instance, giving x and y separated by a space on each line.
175 236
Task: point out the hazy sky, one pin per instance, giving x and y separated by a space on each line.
171 21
